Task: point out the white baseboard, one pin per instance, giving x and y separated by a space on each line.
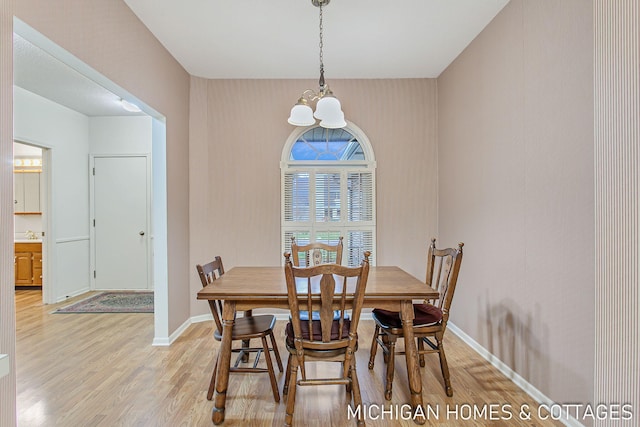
201 318
73 294
536 394
167 341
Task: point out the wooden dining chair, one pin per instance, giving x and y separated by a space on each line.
311 254
316 253
430 323
324 289
244 329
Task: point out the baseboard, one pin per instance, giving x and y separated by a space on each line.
201 318
165 342
536 394
73 294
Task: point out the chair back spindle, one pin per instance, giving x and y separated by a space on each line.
208 273
443 266
316 253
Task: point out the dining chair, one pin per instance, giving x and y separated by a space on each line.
316 253
244 329
324 289
430 323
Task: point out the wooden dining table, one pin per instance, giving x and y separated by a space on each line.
248 288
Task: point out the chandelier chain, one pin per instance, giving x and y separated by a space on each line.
321 47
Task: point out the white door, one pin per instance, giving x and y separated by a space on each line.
120 230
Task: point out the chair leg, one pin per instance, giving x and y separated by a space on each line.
421 351
212 384
390 366
357 398
244 356
385 341
291 396
272 374
374 347
444 367
287 377
274 346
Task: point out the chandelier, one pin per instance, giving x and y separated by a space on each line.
328 109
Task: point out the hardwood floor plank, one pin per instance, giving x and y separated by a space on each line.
101 370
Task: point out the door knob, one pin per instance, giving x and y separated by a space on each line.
141 233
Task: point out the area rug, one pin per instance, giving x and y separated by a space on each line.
112 302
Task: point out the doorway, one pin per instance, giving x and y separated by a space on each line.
30 216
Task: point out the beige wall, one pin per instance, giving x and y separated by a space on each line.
617 161
516 185
107 36
7 308
238 130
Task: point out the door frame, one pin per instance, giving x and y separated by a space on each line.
46 210
92 230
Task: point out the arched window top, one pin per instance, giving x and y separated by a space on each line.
320 145
326 144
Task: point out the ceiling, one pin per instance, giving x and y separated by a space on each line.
37 71
221 39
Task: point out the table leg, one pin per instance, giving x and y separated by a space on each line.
246 343
415 379
222 378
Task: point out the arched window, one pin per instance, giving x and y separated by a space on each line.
328 190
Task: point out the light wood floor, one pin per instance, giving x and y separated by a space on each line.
101 370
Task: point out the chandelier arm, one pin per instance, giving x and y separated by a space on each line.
310 95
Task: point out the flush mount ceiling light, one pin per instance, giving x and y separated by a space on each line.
328 109
130 106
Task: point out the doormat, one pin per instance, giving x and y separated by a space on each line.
112 302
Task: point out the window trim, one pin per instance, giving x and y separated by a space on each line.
369 162
368 165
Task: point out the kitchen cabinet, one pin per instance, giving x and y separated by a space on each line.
28 263
26 192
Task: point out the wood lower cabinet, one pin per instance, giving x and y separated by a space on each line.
28 264
36 264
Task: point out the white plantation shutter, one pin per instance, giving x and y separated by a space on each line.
328 191
296 197
358 241
359 196
327 197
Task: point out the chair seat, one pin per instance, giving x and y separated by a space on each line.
317 331
425 315
250 327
